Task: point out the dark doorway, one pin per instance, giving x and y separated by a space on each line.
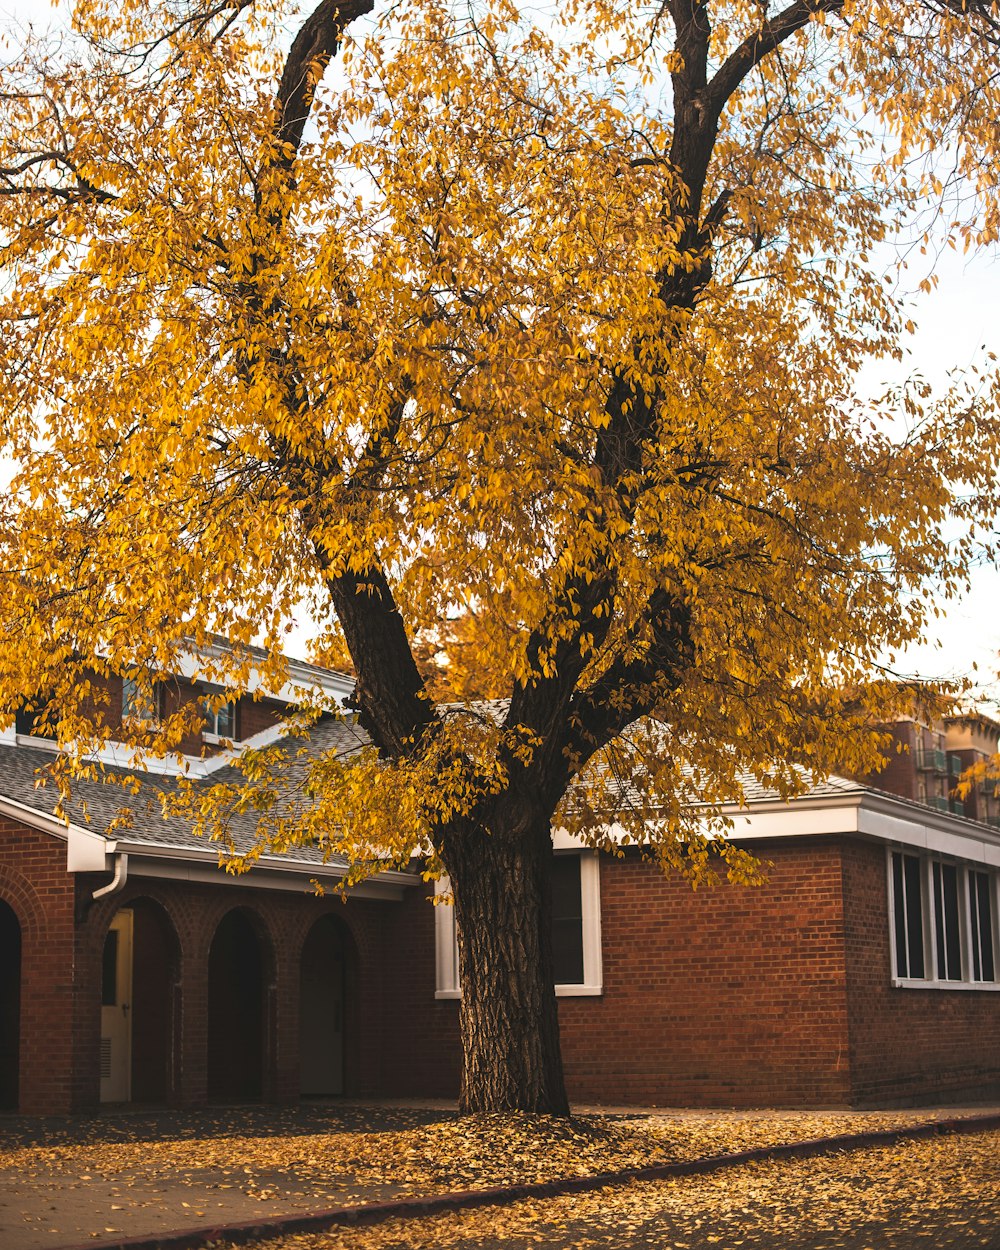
321 1010
155 972
235 1012
10 1006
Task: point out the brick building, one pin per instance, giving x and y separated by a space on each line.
926 758
864 972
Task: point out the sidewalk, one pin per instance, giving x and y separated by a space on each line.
104 1180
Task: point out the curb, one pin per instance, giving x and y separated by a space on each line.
370 1213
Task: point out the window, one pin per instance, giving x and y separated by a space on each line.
220 721
567 921
140 701
947 934
982 926
908 915
943 926
576 929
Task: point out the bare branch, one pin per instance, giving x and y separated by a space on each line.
757 46
314 46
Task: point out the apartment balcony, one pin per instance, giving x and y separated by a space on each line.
939 803
930 760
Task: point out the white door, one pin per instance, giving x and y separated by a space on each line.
116 1011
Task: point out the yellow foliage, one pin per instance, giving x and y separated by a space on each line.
538 339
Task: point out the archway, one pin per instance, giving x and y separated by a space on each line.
322 986
10 1006
235 1011
155 990
140 964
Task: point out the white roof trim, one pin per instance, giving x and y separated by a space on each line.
859 812
209 854
304 679
118 755
86 850
268 875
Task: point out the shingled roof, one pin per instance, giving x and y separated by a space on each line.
96 805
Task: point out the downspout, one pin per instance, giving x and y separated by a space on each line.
117 882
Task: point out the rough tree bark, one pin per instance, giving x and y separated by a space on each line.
501 876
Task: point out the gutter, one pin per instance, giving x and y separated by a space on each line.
117 882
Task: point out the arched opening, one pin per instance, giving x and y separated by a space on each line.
322 984
139 987
10 1006
155 990
235 1012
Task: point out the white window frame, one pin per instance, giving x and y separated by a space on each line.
448 985
933 981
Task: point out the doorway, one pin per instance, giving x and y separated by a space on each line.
235 1012
10 1006
116 1006
139 994
321 1011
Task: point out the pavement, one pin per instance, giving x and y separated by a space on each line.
51 1207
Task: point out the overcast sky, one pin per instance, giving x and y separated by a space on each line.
955 324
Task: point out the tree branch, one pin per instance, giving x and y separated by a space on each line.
762 43
658 647
311 51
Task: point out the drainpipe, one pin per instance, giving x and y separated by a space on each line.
117 882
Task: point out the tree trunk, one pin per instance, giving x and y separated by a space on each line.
501 879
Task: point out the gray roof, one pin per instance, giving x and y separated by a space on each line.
96 805
826 787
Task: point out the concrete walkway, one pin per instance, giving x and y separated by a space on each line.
46 1206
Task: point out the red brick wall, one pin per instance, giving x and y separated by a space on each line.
35 884
727 996
908 1044
60 1014
899 776
253 716
281 921
422 1050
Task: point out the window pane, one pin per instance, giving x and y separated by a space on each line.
949 942
138 702
914 917
567 920
220 721
225 721
899 914
130 698
981 915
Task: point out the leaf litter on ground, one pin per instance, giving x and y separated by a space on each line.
347 1156
940 1193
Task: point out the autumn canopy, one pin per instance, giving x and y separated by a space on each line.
519 350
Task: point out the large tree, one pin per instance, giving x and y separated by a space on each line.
519 352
